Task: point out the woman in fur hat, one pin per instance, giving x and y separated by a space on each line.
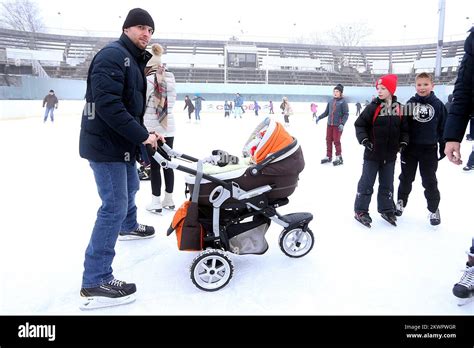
161 97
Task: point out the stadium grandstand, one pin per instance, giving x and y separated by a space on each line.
206 61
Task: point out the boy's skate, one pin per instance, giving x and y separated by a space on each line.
435 218
338 161
326 160
464 290
399 208
364 218
390 217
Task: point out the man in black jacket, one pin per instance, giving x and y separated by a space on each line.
111 133
458 118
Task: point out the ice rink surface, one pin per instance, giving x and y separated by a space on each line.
49 202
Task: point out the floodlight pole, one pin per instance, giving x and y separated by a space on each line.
439 49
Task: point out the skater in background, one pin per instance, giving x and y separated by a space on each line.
314 110
198 106
426 118
226 109
270 106
337 112
109 141
358 108
456 124
188 104
238 102
256 107
383 131
159 118
51 102
287 110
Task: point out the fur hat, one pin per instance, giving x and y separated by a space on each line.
157 51
389 81
339 87
138 16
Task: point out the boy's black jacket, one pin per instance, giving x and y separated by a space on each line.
387 132
426 119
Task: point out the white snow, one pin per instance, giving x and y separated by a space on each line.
49 202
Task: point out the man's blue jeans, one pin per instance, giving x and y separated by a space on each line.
117 184
49 111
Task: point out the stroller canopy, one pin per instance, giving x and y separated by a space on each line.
267 138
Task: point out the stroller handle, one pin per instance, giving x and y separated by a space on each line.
164 149
164 160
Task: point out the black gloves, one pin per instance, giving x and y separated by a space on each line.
225 158
402 147
368 145
442 155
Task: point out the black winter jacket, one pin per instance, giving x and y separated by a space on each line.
463 101
112 119
386 133
426 119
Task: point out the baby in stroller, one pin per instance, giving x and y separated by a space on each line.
234 200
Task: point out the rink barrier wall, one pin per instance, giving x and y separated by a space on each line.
33 89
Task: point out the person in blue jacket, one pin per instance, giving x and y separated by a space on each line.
111 133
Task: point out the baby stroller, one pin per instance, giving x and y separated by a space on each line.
234 200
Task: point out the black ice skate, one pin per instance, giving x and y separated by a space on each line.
113 293
390 217
141 232
326 160
399 208
464 290
364 218
468 168
338 161
144 173
435 218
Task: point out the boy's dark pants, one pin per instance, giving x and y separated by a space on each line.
426 157
365 188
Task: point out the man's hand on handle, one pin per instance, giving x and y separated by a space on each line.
153 139
453 151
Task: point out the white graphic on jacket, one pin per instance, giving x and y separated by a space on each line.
423 112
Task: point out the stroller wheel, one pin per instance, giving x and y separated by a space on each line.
211 270
296 242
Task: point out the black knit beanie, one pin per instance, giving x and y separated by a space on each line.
138 16
339 87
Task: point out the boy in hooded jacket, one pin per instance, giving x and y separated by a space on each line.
337 112
426 118
383 130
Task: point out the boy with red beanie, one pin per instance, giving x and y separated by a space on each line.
426 118
383 131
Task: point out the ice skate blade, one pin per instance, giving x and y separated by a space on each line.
96 302
393 223
155 211
125 238
465 301
171 207
362 223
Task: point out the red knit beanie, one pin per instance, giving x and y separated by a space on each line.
389 81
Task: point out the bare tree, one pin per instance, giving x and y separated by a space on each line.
21 15
349 34
313 38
